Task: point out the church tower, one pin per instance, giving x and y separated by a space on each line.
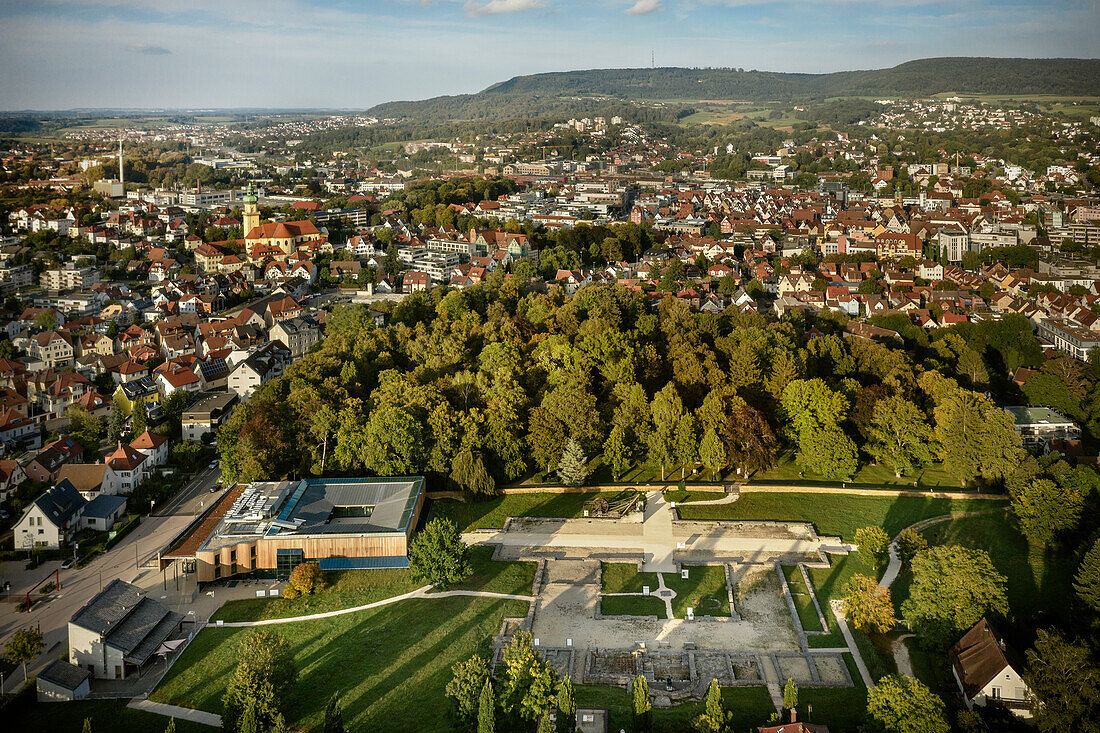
251 212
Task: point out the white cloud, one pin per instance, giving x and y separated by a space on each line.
644 7
497 7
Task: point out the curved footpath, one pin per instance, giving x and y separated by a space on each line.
894 567
422 592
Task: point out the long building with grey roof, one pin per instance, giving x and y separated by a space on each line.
266 528
119 630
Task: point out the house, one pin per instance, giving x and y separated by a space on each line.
43 467
62 682
129 394
153 446
51 520
988 671
102 512
11 476
415 282
87 478
119 631
175 380
259 368
54 349
298 334
1037 426
793 727
128 468
208 413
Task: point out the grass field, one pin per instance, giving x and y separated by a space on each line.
837 514
750 706
803 603
348 589
490 514
704 591
107 716
632 606
390 665
623 577
1039 581
787 469
843 710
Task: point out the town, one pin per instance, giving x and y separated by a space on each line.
770 416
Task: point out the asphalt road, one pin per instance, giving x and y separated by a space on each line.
133 560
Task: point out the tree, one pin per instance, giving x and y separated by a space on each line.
790 695
486 709
171 727
139 417
874 544
976 438
615 453
23 646
899 435
567 706
545 726
715 717
88 725
1046 510
86 428
868 606
908 543
953 588
528 685
1087 581
829 453
305 579
437 554
334 716
467 685
46 320
573 466
685 443
666 410
115 423
901 704
639 703
469 472
260 683
712 453
1064 684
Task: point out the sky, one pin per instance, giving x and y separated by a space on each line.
351 54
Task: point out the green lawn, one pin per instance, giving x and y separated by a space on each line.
800 594
837 514
692 495
751 707
844 710
1039 581
344 589
623 577
704 591
390 664
107 716
632 606
491 513
351 588
787 469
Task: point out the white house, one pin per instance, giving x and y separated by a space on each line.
987 671
154 447
52 519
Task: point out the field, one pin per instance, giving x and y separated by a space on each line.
106 716
490 514
836 514
750 706
704 591
930 477
632 606
621 577
360 587
390 665
1039 581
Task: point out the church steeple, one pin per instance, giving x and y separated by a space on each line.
251 212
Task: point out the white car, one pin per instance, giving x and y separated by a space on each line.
213 465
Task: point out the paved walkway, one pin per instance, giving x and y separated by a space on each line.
657 536
901 655
422 592
838 611
173 711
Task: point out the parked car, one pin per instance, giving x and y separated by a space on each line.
67 564
213 464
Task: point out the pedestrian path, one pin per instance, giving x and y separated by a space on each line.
842 622
658 539
173 711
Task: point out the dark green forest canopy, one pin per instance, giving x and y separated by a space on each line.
505 378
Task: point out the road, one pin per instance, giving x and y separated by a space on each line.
133 560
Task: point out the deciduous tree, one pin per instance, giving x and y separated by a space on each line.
1045 510
899 435
1064 682
868 606
23 646
874 544
467 685
901 704
438 555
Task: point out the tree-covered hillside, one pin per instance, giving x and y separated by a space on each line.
572 92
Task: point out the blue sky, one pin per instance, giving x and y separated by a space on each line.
61 54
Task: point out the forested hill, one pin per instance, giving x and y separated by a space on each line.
543 94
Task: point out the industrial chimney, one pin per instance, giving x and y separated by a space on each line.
121 179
